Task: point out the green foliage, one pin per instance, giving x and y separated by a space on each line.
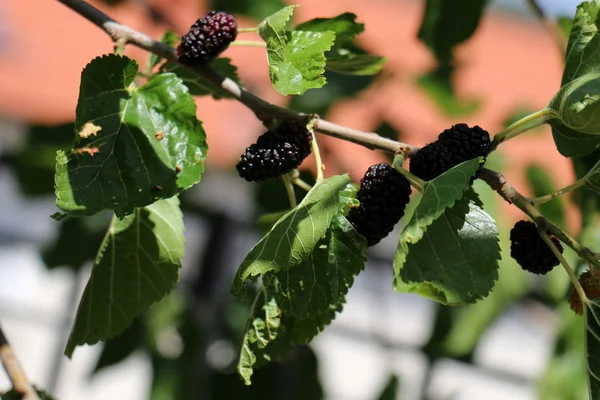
135 145
457 260
138 263
298 58
445 25
582 56
345 57
293 238
324 278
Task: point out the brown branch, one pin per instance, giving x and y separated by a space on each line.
264 110
15 373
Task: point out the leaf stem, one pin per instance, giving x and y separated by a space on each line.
301 184
318 160
289 188
248 30
544 199
248 43
414 180
14 370
524 124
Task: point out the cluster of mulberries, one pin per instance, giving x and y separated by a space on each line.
276 152
453 146
207 38
383 195
529 249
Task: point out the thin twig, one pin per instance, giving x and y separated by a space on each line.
318 160
544 199
15 373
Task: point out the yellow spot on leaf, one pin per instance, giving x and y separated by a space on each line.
89 129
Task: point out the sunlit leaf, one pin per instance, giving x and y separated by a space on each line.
134 145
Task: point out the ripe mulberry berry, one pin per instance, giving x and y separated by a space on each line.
453 146
590 282
276 152
207 38
529 249
383 195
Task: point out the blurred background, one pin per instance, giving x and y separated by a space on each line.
520 343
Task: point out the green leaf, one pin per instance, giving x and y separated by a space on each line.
169 38
296 59
270 334
293 238
457 260
273 29
577 104
299 65
35 159
344 57
138 263
199 86
87 232
134 145
583 49
264 327
324 278
446 25
355 64
571 143
438 195
344 26
592 347
302 331
582 57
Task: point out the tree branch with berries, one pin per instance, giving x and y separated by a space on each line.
139 144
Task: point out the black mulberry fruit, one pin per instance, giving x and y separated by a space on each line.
453 146
383 195
529 249
207 38
276 152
